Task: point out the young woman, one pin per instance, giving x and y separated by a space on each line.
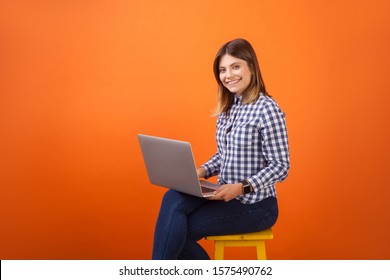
252 155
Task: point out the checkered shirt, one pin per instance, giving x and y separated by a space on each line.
252 144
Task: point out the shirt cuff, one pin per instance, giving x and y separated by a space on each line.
208 171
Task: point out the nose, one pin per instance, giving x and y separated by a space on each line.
229 74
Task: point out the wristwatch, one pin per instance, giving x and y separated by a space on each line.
246 187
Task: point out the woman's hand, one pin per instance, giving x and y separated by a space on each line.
227 192
201 172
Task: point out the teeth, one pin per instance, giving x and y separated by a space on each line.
233 82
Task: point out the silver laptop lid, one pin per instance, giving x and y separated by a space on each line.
170 163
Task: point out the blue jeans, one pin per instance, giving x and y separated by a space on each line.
184 219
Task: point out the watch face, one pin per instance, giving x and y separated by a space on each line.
246 187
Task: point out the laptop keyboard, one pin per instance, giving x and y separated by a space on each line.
208 186
207 190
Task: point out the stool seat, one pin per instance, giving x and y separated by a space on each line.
256 239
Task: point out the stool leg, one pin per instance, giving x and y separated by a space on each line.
218 249
260 250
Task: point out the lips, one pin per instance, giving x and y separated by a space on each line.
232 83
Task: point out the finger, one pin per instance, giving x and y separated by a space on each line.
220 189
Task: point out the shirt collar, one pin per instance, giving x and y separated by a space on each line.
237 99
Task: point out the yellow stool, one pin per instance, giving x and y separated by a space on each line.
256 239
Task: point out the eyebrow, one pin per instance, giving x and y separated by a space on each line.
237 62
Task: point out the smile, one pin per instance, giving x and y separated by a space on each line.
233 82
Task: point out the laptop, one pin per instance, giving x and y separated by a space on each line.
170 163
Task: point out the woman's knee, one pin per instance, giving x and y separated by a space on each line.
185 203
175 201
172 198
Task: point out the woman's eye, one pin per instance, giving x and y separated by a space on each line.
236 67
222 70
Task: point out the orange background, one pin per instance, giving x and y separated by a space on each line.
80 79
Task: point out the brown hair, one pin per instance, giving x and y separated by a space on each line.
242 49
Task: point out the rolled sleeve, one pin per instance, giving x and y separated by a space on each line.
275 149
212 166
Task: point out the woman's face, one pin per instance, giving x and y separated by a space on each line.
234 74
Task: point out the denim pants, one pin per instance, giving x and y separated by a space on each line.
184 219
